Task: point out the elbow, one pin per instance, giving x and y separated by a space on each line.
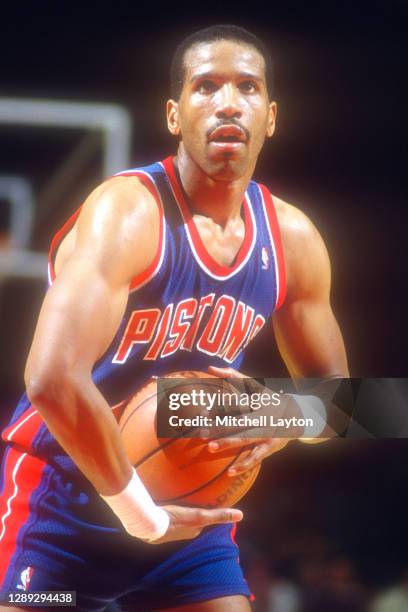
49 389
60 398
43 389
40 390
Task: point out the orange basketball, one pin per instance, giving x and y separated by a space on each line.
180 470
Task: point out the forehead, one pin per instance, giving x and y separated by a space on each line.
223 56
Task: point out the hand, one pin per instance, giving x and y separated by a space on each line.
187 523
262 447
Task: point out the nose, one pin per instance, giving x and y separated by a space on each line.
228 104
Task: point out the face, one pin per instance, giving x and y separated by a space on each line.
224 114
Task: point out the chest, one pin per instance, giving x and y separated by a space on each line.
222 243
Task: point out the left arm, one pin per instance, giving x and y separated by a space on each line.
306 331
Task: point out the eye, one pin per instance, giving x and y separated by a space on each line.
206 87
248 86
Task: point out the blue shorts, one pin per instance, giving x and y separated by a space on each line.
57 534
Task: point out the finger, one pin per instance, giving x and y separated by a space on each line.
230 374
248 384
202 517
222 444
225 372
251 384
241 382
257 455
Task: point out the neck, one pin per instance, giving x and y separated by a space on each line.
219 199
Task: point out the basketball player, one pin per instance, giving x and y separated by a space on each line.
173 266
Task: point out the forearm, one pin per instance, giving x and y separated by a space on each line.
336 394
81 420
310 342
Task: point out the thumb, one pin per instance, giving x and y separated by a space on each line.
225 372
219 515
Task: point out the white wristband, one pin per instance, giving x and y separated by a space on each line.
313 410
137 511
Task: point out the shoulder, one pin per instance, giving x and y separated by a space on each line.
297 230
119 199
306 258
117 216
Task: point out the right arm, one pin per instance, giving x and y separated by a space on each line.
114 240
78 320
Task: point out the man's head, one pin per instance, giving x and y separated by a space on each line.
212 34
221 108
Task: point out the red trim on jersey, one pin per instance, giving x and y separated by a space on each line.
209 262
153 268
22 475
24 430
233 533
56 241
276 235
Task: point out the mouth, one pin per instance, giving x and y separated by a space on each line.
228 134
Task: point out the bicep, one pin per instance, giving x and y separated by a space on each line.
79 317
306 330
84 307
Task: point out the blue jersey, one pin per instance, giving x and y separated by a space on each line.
186 311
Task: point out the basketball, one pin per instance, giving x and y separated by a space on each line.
180 470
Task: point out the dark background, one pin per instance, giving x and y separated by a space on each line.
339 153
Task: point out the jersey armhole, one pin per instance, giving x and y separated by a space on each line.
151 271
56 241
276 243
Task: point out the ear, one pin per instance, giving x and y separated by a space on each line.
273 109
172 117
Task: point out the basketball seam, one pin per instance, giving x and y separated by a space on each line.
208 482
169 441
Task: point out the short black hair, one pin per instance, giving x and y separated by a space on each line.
211 34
